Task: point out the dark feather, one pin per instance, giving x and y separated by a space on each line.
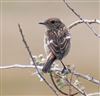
59 43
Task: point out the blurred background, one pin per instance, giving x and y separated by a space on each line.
84 51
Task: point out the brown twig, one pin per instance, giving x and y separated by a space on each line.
30 54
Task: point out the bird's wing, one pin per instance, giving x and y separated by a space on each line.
59 44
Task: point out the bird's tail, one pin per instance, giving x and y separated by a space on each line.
49 62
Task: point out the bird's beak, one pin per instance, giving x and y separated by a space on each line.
43 23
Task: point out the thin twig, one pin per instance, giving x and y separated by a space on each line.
94 94
19 66
30 54
90 27
96 21
71 78
87 77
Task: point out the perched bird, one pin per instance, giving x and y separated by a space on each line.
56 41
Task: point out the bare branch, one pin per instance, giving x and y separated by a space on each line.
19 66
94 94
87 77
30 54
81 21
90 27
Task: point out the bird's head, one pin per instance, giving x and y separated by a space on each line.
53 24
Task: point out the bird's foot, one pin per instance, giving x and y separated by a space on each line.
44 70
65 70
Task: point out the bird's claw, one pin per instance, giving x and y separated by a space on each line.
65 70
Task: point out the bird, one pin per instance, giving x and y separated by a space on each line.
56 41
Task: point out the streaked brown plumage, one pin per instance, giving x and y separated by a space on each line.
56 41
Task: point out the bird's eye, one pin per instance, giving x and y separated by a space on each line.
52 21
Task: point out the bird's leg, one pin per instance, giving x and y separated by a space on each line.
65 69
